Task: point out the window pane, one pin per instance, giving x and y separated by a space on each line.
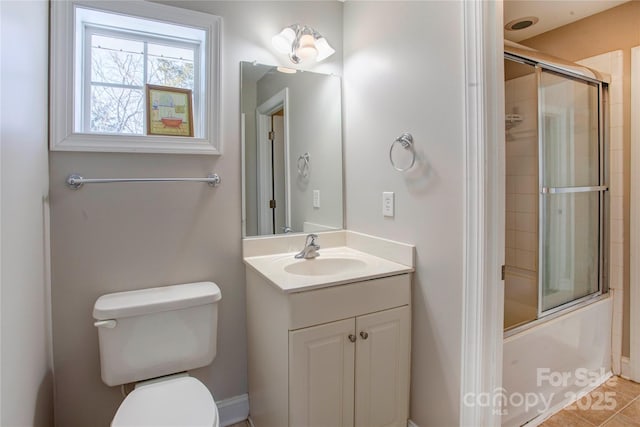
170 66
571 238
570 131
116 60
116 110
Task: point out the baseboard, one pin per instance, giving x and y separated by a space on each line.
411 424
625 367
233 410
560 406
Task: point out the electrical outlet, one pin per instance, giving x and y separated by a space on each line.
387 203
316 198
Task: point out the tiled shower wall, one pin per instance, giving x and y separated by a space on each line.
521 181
521 249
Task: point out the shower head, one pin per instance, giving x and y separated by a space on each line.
512 120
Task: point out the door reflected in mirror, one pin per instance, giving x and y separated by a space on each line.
292 151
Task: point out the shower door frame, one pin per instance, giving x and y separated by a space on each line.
603 237
602 189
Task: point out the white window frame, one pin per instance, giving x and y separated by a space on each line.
66 91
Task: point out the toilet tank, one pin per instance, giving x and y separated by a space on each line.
153 332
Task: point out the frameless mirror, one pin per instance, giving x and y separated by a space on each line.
292 150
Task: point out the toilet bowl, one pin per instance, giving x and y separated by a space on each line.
176 401
151 337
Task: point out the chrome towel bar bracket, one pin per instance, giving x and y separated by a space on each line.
75 181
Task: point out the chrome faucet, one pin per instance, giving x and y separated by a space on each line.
310 248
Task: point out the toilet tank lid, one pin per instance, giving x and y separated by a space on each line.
152 300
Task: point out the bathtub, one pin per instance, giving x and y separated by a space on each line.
549 365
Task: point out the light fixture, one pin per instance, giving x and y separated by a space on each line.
302 43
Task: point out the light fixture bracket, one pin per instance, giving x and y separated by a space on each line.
300 31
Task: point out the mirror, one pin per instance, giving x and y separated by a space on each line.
292 151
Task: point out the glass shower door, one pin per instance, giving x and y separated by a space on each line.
572 190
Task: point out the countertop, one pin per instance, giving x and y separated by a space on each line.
273 268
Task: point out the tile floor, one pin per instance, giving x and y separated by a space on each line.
616 403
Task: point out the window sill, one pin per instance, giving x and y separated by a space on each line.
134 144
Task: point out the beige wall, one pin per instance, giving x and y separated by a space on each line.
404 72
114 237
26 397
614 29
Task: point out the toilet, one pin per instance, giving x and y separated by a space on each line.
152 337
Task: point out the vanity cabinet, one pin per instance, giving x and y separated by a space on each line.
333 356
351 370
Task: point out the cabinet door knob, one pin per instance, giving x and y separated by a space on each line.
352 338
364 335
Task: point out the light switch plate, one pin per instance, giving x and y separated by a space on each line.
387 203
316 198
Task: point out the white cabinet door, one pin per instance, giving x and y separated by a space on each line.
382 368
321 375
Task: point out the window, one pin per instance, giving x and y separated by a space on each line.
118 65
103 58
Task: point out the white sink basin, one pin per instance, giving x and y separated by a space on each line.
335 266
325 266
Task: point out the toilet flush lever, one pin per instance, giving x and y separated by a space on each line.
105 324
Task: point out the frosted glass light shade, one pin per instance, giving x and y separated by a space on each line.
324 49
283 40
307 48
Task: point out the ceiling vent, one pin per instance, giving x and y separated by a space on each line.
521 23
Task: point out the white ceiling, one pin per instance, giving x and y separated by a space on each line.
552 14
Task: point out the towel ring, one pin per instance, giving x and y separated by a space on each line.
406 141
303 165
